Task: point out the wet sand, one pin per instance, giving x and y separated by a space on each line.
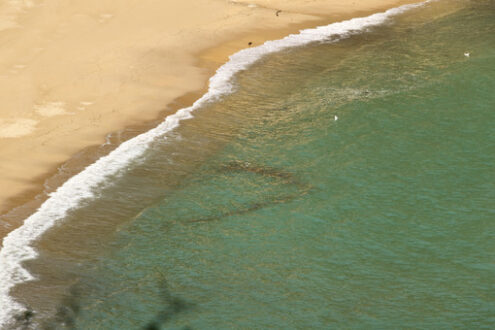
72 73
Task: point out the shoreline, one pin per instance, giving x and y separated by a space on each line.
56 207
24 196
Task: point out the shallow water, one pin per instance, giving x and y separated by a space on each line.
263 211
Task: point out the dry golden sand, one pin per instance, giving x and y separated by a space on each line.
73 71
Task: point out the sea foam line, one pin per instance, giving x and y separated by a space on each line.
17 244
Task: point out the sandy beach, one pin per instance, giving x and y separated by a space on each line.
217 164
71 73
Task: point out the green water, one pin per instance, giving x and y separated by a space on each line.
290 219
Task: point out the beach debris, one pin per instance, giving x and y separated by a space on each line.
278 12
467 54
250 43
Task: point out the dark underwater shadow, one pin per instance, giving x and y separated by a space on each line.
171 305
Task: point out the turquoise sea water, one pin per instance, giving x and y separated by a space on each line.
265 212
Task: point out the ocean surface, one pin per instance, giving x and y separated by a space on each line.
340 178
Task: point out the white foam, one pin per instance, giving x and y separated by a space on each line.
17 244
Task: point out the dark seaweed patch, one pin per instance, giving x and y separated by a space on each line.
264 171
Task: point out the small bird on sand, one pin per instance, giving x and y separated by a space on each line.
467 54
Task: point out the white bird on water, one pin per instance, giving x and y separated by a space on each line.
335 117
467 54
